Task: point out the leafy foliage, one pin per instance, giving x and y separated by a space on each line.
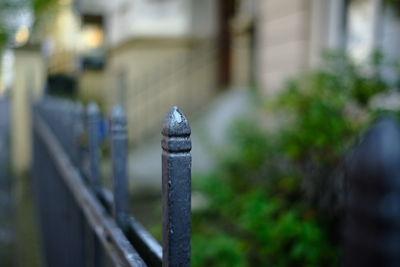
275 197
39 6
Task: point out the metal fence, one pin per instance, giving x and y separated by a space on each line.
83 223
372 224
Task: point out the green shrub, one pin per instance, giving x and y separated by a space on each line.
276 197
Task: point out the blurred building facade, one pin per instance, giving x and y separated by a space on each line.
148 55
160 53
291 35
144 55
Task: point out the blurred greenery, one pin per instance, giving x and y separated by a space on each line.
275 197
393 3
10 9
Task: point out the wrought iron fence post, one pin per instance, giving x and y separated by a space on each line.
119 144
176 189
78 132
372 236
70 139
93 116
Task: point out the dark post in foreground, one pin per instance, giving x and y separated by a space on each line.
119 140
93 117
372 226
78 129
176 189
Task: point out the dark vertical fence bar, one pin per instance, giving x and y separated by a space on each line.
372 226
119 144
65 247
61 218
93 120
176 187
78 133
82 227
93 123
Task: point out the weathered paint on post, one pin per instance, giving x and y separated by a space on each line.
119 144
93 117
176 189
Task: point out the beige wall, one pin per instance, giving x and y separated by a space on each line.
241 60
131 19
283 43
148 77
292 34
92 84
27 88
146 19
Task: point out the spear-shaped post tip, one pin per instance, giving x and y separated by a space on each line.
92 108
176 124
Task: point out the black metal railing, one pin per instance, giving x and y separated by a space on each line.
82 222
372 225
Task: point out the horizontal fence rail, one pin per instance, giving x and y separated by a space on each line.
82 222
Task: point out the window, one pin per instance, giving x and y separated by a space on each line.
374 25
360 24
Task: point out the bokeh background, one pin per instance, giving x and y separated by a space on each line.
276 91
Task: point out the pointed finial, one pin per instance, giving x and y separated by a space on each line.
176 132
118 115
176 188
176 124
92 108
